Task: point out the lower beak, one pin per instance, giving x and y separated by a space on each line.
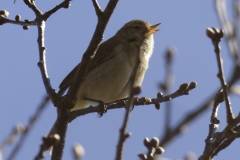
153 29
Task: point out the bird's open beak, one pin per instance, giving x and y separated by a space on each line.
153 29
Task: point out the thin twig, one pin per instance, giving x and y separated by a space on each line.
214 120
123 135
97 8
223 145
138 102
188 118
42 60
220 138
196 113
91 50
70 100
47 14
218 99
48 142
12 137
61 125
167 86
230 115
236 16
216 36
192 115
31 4
40 21
228 28
22 23
30 125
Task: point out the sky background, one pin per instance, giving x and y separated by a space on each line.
67 36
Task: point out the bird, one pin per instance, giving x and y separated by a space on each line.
108 76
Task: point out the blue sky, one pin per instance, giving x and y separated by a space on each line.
67 36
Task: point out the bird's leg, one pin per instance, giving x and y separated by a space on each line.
102 105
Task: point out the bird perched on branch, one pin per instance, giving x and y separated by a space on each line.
108 76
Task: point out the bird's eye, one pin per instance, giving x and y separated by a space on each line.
137 27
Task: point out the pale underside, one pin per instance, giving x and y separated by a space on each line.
110 82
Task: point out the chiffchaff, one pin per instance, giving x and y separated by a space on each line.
109 74
108 77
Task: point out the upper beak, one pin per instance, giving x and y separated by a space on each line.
153 29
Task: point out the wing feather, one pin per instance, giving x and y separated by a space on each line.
105 52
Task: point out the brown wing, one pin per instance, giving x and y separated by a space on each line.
105 52
67 81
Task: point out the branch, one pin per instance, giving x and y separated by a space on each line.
4 19
138 102
31 4
48 142
133 91
30 125
188 118
166 86
69 101
63 116
196 113
230 31
64 4
42 61
40 22
12 137
192 115
216 142
223 145
216 35
91 51
214 120
220 138
98 9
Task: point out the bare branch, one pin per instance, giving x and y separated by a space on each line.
11 138
48 142
222 146
216 35
123 135
192 115
22 23
138 102
30 125
220 138
216 142
230 31
188 118
214 120
91 51
166 85
47 14
42 61
70 100
98 9
218 99
4 19
31 4
175 131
